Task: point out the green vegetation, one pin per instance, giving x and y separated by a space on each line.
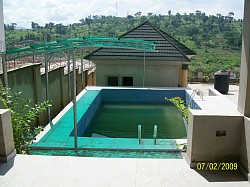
215 38
22 117
181 106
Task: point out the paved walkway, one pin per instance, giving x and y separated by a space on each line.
232 93
36 171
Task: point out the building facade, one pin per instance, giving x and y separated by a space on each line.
167 66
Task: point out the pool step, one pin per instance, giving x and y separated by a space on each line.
115 148
110 154
113 144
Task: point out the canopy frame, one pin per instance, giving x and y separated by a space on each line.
70 45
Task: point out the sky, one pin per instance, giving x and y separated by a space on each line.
23 12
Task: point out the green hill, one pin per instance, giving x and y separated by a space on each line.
215 38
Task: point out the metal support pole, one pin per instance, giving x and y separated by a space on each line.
74 100
33 59
47 85
82 68
143 81
5 74
69 86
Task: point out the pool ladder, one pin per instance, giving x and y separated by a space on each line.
197 92
139 134
154 134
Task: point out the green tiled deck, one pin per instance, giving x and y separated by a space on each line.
61 130
108 144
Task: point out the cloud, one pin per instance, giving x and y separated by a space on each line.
23 12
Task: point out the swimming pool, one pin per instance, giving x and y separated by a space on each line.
121 120
59 139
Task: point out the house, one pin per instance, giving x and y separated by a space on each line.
165 67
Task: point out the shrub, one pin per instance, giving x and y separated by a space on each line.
181 106
23 116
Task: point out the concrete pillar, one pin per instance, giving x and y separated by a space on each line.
245 148
2 35
94 78
37 82
61 74
180 76
85 78
244 90
7 148
80 84
184 68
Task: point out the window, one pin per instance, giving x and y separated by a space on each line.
127 81
112 81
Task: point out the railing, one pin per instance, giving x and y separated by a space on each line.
139 134
155 134
197 92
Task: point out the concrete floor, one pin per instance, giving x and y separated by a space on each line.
30 170
232 93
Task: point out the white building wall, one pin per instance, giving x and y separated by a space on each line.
162 76
159 74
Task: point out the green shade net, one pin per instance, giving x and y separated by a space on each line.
77 43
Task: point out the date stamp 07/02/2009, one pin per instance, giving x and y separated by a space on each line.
217 166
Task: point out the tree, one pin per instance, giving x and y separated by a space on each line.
231 14
13 25
192 30
150 14
60 28
206 37
34 25
95 17
49 26
197 13
186 17
138 13
233 39
88 21
169 13
82 21
205 19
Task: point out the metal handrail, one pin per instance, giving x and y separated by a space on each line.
139 134
155 134
196 91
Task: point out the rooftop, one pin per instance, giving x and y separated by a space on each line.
167 47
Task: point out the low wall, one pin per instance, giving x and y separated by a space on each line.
92 79
245 145
32 84
7 149
218 133
214 137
